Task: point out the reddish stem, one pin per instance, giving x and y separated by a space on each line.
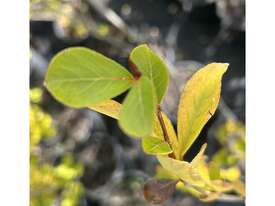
165 133
135 71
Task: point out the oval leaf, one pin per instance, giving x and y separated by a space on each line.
80 77
138 109
155 146
150 65
198 102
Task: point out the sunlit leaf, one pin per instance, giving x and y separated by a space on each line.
198 102
157 130
112 109
200 166
108 107
221 186
138 109
80 77
203 193
189 189
155 146
162 173
171 134
158 191
239 187
214 171
231 174
182 169
195 173
150 65
176 167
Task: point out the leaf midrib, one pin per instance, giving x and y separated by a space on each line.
156 146
91 79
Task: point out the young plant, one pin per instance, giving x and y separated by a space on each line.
82 78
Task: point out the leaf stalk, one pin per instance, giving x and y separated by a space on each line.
164 131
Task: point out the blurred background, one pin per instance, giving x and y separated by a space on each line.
82 158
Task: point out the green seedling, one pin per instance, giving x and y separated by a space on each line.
82 78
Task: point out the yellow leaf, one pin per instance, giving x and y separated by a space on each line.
172 135
109 107
199 164
182 169
221 186
162 173
189 189
239 187
176 167
157 131
214 170
170 131
202 194
198 102
231 174
112 109
195 173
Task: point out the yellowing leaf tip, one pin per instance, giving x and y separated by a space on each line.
138 47
223 66
203 147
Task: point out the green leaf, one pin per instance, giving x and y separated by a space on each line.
198 102
155 146
150 65
80 77
138 109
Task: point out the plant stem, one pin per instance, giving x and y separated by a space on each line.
164 131
134 69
